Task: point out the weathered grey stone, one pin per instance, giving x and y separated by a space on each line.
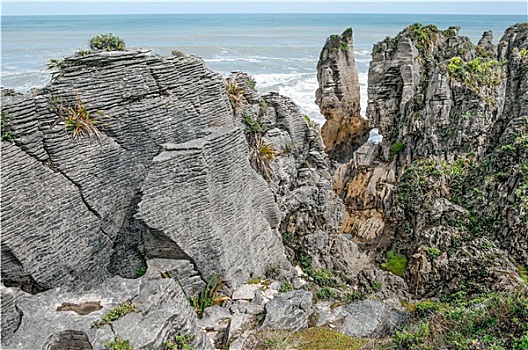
370 319
298 173
163 312
288 311
183 271
126 197
245 291
11 315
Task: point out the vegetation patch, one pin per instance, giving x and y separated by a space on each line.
285 287
120 310
235 93
107 42
78 121
432 253
491 321
424 37
397 148
396 263
180 342
118 344
6 127
209 296
479 73
325 339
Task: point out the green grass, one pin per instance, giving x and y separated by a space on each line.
209 296
325 339
396 263
6 127
491 321
475 74
180 342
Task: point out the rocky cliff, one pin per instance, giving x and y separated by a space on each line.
338 98
133 181
442 200
126 158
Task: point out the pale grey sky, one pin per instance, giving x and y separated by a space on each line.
66 7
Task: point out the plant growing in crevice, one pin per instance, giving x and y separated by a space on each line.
6 127
261 155
78 121
177 53
120 310
397 148
396 263
180 342
209 296
118 344
235 93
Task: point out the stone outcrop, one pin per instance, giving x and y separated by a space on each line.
168 176
362 319
170 182
338 98
446 187
288 151
55 319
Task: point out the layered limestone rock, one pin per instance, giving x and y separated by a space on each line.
166 174
288 151
338 98
169 177
445 191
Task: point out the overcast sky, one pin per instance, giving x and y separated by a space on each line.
65 7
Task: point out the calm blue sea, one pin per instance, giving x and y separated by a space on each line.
279 50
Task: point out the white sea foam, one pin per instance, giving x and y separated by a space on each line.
301 89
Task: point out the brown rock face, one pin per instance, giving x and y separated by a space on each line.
338 98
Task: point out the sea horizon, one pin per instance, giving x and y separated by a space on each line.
279 50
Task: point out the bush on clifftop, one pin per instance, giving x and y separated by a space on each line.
107 42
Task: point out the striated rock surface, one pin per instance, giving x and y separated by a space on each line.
338 98
167 177
444 193
288 151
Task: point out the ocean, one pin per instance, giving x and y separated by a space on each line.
280 50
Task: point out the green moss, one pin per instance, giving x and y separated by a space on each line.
344 46
285 287
180 342
141 271
432 253
325 339
323 278
396 263
376 286
326 294
397 148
